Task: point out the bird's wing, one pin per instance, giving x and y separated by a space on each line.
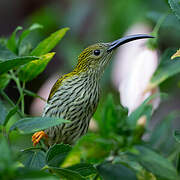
55 87
59 82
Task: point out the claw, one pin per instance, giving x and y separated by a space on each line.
38 136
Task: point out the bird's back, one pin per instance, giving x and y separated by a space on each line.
76 100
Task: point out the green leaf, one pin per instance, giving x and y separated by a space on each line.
110 171
178 163
83 169
9 64
49 43
10 114
126 159
143 109
155 163
34 68
175 6
177 54
112 116
25 48
5 53
11 43
34 159
161 135
167 68
168 22
6 159
57 154
34 124
29 174
4 80
30 93
3 113
66 173
91 147
109 115
28 31
176 135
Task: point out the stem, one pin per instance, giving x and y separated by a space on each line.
5 134
4 131
4 95
159 23
22 102
30 93
174 153
20 89
152 43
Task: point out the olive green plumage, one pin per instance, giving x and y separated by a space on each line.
75 95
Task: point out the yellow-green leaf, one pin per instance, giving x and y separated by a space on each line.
34 68
165 70
8 64
177 54
4 80
49 43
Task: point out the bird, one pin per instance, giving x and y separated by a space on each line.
75 95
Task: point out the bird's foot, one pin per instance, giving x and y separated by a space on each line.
38 136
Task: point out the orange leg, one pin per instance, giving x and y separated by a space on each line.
38 136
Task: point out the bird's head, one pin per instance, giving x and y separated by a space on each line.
95 57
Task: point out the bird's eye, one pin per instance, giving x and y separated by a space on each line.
97 52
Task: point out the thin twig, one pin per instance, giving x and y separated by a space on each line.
4 95
20 89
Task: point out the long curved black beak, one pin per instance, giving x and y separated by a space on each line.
126 39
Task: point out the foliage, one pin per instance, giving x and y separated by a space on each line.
175 7
166 68
117 150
